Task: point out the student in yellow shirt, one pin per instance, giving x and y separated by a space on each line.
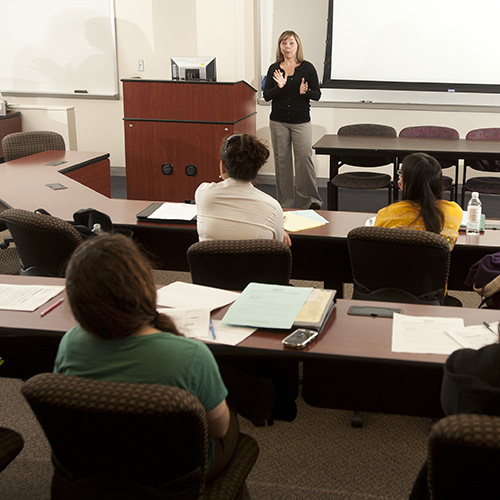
422 206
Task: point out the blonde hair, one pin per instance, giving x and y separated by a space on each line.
299 56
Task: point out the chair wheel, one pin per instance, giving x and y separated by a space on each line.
357 419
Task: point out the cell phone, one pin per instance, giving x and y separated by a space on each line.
300 338
381 312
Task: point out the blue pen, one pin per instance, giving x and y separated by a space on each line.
212 331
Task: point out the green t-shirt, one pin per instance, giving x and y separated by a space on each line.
160 358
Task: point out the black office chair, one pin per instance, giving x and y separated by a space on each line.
44 243
20 144
398 265
11 443
483 184
364 179
436 132
129 441
232 264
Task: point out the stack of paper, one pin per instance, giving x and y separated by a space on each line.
187 295
300 220
267 306
316 310
475 336
26 297
281 307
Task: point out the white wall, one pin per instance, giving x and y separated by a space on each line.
155 30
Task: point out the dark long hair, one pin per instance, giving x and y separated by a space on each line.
423 184
111 290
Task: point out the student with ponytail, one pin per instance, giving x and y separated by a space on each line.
121 337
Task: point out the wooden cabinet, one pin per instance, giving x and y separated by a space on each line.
174 131
9 124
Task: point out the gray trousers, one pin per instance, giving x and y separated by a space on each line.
285 137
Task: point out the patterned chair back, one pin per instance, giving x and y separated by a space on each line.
11 443
114 440
464 457
44 243
484 134
232 264
20 144
369 130
398 265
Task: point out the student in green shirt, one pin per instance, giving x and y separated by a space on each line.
121 337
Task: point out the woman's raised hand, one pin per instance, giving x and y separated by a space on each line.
303 87
279 78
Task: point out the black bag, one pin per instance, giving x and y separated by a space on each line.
85 219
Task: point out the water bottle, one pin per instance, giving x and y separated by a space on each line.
97 229
474 214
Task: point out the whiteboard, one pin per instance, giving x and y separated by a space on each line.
59 48
311 23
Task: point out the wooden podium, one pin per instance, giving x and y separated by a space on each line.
174 131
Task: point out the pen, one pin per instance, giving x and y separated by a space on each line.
487 325
212 329
52 307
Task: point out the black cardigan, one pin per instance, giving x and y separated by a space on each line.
289 106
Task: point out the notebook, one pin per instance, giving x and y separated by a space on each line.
181 213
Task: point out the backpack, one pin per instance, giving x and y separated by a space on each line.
484 278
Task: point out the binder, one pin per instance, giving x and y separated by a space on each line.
316 310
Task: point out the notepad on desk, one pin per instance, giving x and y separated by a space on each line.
169 212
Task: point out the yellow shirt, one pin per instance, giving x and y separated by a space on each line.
405 215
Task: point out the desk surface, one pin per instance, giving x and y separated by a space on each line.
24 185
350 365
331 144
344 335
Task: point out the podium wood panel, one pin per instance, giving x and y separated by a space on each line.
180 123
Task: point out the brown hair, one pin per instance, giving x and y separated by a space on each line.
243 156
299 56
423 184
111 290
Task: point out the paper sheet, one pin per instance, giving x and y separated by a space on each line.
230 335
475 336
422 334
192 323
26 297
267 306
174 211
187 295
195 324
294 222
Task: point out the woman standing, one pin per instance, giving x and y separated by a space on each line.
291 83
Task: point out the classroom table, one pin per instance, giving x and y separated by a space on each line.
319 254
350 365
398 147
